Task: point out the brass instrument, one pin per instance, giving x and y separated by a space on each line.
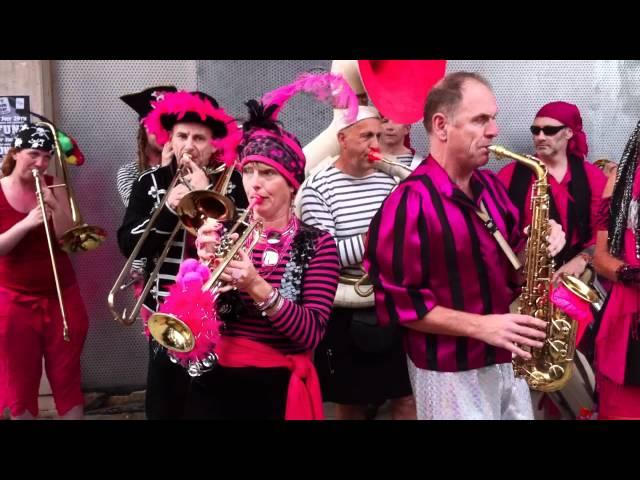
40 195
192 210
174 333
391 168
551 366
198 205
81 237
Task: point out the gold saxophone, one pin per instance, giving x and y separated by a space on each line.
551 366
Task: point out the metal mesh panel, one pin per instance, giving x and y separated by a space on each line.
234 82
606 92
87 105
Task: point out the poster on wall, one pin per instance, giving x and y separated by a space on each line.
14 112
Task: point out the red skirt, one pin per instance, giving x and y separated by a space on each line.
618 402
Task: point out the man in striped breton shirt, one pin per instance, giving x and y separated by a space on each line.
438 271
356 370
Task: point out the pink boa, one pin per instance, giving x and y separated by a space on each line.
197 309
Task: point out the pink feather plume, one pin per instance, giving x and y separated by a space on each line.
195 308
326 87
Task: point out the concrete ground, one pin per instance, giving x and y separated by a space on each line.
101 406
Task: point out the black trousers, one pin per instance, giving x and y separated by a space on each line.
168 386
239 394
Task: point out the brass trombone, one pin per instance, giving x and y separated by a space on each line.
40 195
194 208
198 205
172 332
81 237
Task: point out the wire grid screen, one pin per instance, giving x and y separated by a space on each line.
88 107
606 92
234 82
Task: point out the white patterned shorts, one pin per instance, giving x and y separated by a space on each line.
489 393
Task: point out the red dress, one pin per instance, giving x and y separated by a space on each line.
31 322
618 398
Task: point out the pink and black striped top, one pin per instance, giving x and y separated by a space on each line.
299 327
427 247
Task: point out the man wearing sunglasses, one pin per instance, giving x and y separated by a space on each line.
576 188
576 185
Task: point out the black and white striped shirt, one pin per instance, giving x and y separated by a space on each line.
344 206
125 178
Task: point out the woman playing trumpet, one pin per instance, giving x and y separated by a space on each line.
276 301
31 321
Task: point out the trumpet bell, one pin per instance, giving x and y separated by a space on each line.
198 205
171 332
82 238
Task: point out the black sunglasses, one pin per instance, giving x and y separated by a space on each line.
549 131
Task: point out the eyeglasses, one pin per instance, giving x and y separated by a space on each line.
549 131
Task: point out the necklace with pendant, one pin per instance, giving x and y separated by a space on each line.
276 246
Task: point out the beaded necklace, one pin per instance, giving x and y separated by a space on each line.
278 243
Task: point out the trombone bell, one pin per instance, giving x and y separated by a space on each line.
198 205
82 238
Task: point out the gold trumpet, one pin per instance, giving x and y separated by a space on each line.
40 195
81 237
173 333
194 208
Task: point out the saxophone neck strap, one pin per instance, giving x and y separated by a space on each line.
493 229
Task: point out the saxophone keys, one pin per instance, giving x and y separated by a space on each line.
540 314
558 349
541 302
556 372
559 326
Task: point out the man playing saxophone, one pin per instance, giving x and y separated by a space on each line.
438 270
200 133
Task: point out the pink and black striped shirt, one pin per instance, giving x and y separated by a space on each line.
295 328
427 247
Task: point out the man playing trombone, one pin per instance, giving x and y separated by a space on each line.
41 311
201 134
